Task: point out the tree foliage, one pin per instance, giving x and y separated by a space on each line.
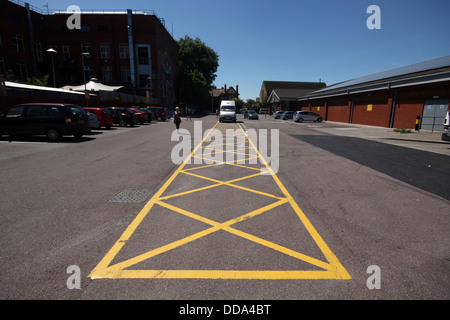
198 65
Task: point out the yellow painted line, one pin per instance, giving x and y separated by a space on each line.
103 264
190 191
221 274
332 259
331 270
215 227
234 185
202 167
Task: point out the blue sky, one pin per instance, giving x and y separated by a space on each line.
295 40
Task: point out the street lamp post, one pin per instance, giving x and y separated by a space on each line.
52 52
84 54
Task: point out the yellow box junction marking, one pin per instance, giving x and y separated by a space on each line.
331 269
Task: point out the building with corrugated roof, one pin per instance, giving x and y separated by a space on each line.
284 94
394 98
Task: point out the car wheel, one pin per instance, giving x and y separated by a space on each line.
159 118
78 135
122 123
53 134
300 120
319 120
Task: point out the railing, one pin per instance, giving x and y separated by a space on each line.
58 11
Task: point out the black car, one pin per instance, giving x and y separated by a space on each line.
50 119
123 116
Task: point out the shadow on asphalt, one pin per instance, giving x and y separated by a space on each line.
425 170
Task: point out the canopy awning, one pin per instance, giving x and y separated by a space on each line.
93 85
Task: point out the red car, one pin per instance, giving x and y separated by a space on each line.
141 116
104 116
159 113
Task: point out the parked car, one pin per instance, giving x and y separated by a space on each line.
250 114
50 119
308 116
93 121
150 114
123 116
159 112
264 111
446 132
140 115
295 114
288 115
104 116
277 115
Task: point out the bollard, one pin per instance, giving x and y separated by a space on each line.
418 123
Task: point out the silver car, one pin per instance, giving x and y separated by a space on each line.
308 116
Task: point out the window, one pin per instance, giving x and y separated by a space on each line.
102 28
86 48
77 110
15 112
124 51
105 50
18 43
2 66
125 74
38 50
22 70
67 51
107 74
143 56
36 111
88 71
53 111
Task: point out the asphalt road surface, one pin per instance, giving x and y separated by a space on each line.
341 218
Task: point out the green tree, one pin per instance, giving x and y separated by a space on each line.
198 65
239 103
43 82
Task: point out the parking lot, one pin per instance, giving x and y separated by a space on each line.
140 227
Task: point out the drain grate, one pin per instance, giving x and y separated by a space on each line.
132 196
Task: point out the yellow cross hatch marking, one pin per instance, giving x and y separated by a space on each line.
331 269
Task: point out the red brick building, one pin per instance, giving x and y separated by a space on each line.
393 99
127 48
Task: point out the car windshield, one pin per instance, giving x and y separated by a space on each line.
251 111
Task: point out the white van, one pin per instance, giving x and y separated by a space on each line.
227 111
446 133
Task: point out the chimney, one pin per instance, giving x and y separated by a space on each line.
225 89
237 88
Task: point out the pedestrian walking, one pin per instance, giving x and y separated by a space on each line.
188 114
217 112
177 118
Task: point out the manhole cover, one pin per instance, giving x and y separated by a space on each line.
132 195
